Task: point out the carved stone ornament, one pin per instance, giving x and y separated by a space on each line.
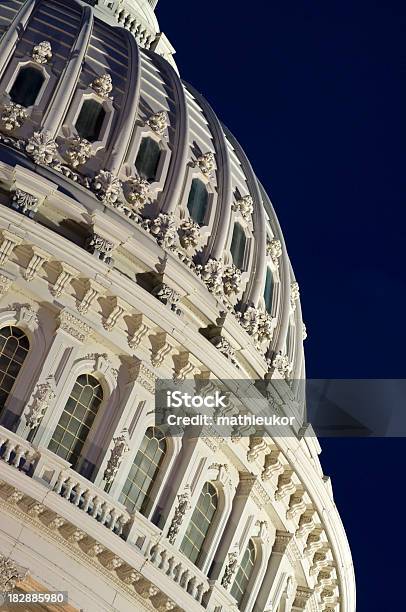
230 569
42 148
5 284
120 448
304 331
107 187
282 364
24 202
73 326
168 296
103 85
231 280
79 151
44 396
258 324
206 163
137 192
164 229
10 574
158 122
225 348
244 206
101 247
180 511
274 250
13 116
189 233
294 293
212 275
42 53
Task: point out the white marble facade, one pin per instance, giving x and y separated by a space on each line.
111 269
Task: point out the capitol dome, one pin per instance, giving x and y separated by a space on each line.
138 244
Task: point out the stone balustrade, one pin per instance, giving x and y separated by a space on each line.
92 500
16 451
177 567
123 12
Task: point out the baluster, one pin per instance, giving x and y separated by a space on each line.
114 514
97 502
170 569
78 489
177 572
87 500
19 453
59 483
9 450
164 555
184 579
69 485
199 592
106 509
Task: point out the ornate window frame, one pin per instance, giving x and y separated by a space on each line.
44 93
26 319
173 446
82 365
247 226
276 293
68 129
141 131
205 230
225 485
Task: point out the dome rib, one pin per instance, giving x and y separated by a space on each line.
67 83
284 273
218 236
121 136
255 284
177 167
12 35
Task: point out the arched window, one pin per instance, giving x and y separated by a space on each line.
238 244
27 86
148 158
244 573
268 292
77 418
198 201
144 470
91 118
14 347
199 525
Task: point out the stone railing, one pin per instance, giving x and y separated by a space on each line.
17 452
177 567
124 13
92 500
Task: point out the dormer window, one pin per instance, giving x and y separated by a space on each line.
27 86
268 292
238 245
198 201
148 158
90 120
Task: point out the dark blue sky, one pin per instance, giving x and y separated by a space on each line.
315 93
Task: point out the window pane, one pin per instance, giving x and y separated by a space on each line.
144 470
199 525
147 160
14 347
27 86
268 292
90 120
238 244
242 578
76 419
198 201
